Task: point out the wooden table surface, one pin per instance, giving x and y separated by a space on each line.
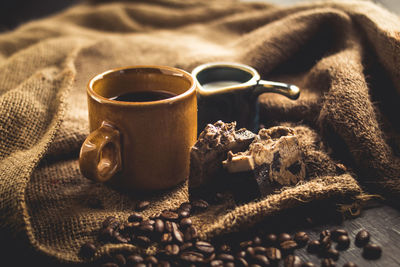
383 223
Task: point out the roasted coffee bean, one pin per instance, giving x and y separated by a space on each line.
190 233
216 263
186 246
225 257
261 259
229 264
271 239
288 246
177 234
204 247
185 206
292 261
332 253
107 222
284 237
343 242
260 250
185 222
350 264
168 226
132 225
169 215
250 251
257 241
210 257
225 248
143 241
109 264
146 228
142 205
362 238
324 233
106 234
273 254
118 238
219 196
183 213
191 257
159 226
151 259
301 238
309 220
120 259
134 259
313 246
87 250
163 264
246 244
325 243
199 204
335 234
241 254
308 264
135 217
240 261
328 262
372 251
172 249
149 221
140 264
166 238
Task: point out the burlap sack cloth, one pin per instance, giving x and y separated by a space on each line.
345 56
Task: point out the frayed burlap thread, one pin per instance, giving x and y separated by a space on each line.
249 215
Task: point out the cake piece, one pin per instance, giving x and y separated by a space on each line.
274 159
211 149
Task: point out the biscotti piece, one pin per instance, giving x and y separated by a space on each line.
274 159
211 149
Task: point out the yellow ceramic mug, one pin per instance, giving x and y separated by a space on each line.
140 145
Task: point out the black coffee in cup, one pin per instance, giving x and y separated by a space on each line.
144 96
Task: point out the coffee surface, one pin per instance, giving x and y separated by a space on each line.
144 96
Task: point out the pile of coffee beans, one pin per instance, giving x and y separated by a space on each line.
178 244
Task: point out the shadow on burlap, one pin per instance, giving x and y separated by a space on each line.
344 56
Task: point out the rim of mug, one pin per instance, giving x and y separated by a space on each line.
255 76
178 97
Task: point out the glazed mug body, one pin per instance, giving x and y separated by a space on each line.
140 145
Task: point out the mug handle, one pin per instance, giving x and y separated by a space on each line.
289 90
100 154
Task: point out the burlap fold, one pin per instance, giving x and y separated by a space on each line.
343 54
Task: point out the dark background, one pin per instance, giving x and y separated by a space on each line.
16 12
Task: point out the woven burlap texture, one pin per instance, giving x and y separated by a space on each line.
344 55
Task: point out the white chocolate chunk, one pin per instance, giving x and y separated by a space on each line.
238 163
